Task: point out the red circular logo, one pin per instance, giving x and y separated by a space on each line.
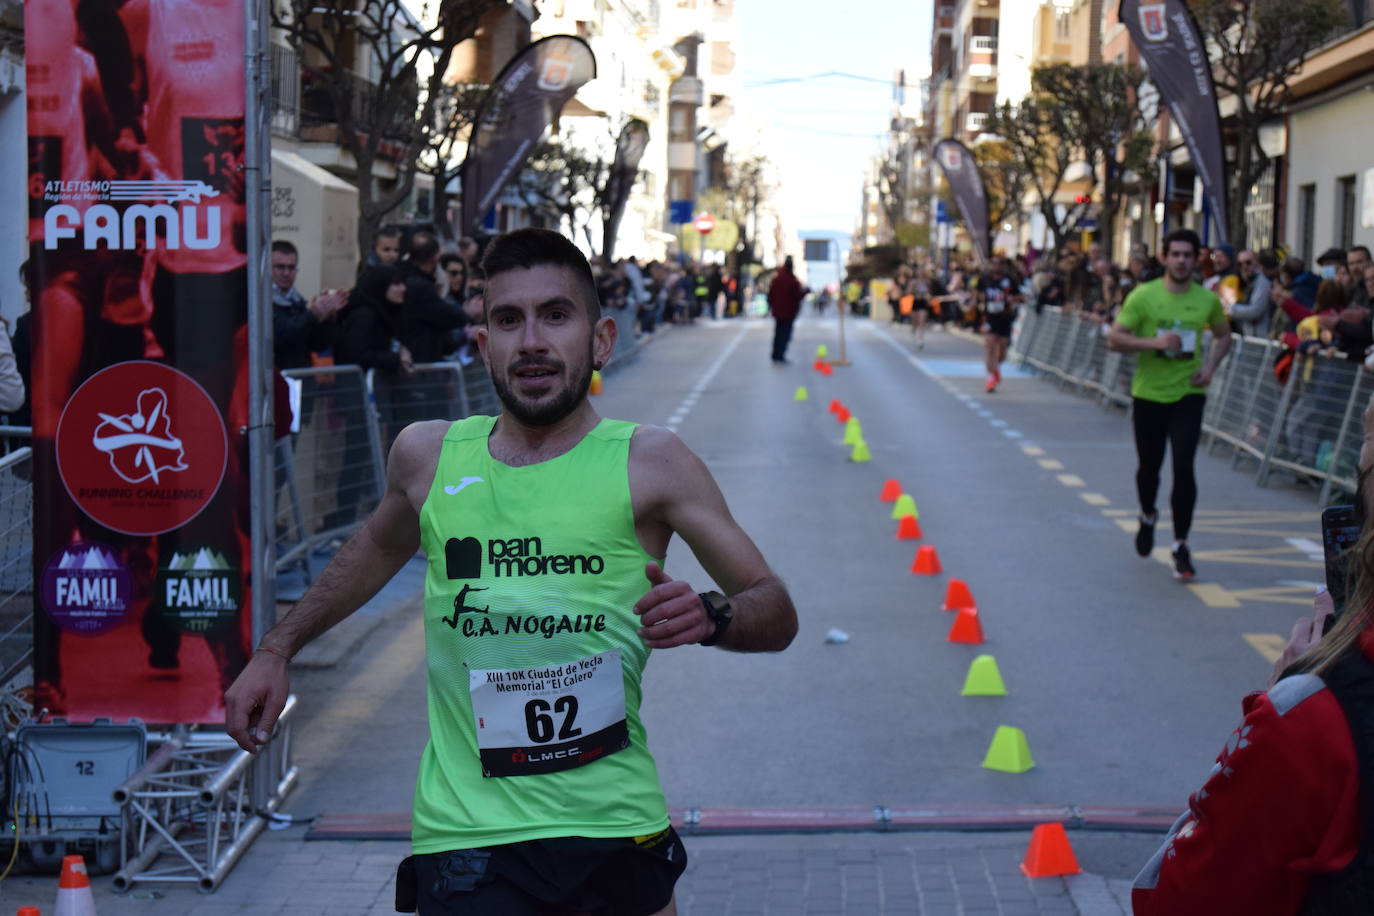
141 448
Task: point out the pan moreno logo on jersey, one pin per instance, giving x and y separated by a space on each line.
514 558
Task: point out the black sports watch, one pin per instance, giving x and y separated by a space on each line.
719 610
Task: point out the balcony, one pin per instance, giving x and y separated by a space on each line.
976 122
286 90
319 117
982 57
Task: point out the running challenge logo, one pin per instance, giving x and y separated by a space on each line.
134 222
515 557
141 448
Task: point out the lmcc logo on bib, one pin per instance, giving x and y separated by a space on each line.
514 557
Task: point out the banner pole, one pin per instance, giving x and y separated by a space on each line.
257 155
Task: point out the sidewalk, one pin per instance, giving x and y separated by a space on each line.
779 875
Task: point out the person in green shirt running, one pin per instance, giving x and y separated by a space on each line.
1163 321
545 531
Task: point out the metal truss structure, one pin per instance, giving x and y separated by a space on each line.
191 811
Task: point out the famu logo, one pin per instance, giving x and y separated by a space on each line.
199 590
515 557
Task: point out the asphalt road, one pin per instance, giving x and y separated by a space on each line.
1125 682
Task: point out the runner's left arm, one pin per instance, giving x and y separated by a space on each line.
1221 345
683 494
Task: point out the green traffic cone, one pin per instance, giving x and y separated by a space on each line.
853 432
904 506
984 680
861 452
801 394
1009 751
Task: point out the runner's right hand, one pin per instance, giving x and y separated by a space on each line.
255 700
1169 340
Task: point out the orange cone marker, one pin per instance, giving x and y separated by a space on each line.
966 627
1049 853
28 911
927 562
891 490
835 405
819 366
908 529
957 596
843 415
826 370
74 889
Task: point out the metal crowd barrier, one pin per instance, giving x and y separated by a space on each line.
16 562
1309 424
331 471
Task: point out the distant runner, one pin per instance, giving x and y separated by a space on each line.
545 530
1164 320
1000 294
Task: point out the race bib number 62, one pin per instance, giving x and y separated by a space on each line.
549 718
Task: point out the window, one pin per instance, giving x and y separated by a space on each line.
1307 220
1259 209
1345 211
1063 26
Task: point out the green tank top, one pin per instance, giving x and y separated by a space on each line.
531 648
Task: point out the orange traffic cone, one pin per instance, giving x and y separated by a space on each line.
819 365
958 596
835 405
826 370
74 889
28 911
842 415
891 490
966 627
1049 853
927 562
908 529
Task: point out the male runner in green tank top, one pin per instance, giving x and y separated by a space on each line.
545 529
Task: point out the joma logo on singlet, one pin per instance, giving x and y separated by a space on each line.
509 557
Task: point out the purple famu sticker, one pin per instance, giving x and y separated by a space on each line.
86 589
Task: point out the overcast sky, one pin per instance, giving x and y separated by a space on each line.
821 132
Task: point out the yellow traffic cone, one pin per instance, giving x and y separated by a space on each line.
984 679
822 351
904 506
1009 751
801 394
860 453
853 432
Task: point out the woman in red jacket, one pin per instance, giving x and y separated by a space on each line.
1281 826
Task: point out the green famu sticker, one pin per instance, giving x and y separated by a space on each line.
199 591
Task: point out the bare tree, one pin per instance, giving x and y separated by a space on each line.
455 112
1032 132
1005 179
1256 48
746 191
563 182
376 73
1106 124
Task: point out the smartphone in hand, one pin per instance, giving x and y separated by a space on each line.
1340 531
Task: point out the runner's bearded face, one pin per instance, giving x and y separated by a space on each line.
538 343
1180 261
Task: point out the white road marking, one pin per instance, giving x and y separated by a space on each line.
1309 547
1011 434
688 402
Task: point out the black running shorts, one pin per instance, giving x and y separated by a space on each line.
632 876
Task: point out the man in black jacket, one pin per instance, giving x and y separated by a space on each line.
426 319
298 327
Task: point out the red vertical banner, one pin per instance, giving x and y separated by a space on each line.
138 283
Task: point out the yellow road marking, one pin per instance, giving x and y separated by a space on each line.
1258 532
1113 512
1033 450
1095 499
1216 596
1270 645
1071 480
1264 556
1051 464
1127 525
